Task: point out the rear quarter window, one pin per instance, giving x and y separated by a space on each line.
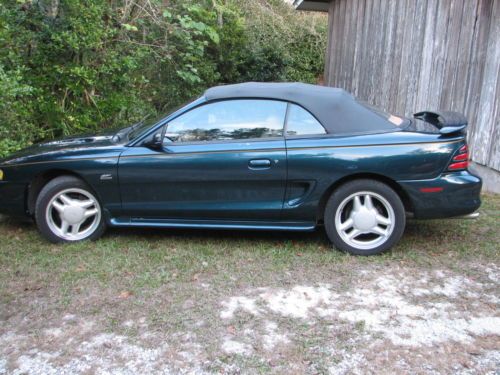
301 122
394 122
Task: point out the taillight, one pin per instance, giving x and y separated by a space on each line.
460 160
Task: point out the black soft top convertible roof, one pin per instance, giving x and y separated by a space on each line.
336 109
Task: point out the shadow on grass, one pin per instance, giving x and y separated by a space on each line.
421 230
420 237
318 235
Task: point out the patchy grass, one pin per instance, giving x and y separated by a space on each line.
159 298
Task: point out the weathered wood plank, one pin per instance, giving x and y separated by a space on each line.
464 58
476 76
351 41
344 51
387 56
356 80
427 56
488 103
329 47
439 52
373 60
364 87
395 67
453 50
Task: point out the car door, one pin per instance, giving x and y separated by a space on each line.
306 179
220 160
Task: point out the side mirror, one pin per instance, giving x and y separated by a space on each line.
156 142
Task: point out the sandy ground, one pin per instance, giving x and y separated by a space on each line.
394 320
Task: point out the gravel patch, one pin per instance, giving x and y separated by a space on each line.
392 319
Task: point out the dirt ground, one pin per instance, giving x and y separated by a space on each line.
394 320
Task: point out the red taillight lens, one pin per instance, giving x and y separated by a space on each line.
460 160
461 157
460 165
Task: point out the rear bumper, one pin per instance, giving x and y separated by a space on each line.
471 216
12 198
449 195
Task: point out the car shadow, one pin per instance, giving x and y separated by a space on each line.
414 229
318 236
12 224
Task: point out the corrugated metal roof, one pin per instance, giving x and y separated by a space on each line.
314 5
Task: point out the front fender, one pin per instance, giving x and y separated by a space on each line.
100 173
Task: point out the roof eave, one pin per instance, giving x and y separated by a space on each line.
312 5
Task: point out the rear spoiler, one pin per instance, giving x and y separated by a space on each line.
446 122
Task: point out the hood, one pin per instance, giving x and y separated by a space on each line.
74 145
78 140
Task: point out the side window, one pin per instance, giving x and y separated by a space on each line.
301 122
228 120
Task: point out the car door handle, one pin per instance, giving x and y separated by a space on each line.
259 164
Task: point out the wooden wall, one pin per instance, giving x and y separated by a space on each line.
409 55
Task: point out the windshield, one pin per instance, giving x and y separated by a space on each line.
144 125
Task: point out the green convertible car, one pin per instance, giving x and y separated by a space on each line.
273 156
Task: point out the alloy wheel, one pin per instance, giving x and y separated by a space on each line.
364 220
73 214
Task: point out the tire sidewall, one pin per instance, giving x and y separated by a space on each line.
48 192
352 187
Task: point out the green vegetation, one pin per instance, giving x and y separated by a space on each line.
69 66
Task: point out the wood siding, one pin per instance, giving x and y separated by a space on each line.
410 55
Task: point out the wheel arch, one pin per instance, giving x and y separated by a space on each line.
372 176
40 180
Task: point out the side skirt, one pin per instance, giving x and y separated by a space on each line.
213 224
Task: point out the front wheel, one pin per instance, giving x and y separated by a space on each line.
364 217
67 211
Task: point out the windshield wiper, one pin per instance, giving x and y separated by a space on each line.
128 130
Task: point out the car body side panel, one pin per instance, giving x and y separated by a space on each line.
90 164
315 164
204 181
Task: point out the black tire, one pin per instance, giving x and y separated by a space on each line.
342 193
50 190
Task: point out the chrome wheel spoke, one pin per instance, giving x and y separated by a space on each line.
66 200
64 227
353 233
90 213
383 220
368 202
86 203
346 224
379 231
356 204
58 206
75 228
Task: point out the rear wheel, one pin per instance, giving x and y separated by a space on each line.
67 210
364 217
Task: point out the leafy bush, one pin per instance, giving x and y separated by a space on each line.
69 66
